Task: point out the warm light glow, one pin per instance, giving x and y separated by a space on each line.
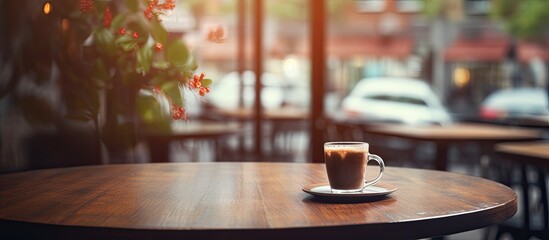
65 25
358 62
461 76
290 67
47 8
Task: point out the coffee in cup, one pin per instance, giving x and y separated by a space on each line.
346 164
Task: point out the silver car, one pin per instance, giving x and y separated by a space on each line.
516 105
395 100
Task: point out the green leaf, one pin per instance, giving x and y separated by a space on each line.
126 43
177 53
141 26
148 108
118 21
162 65
99 6
193 66
152 115
132 5
144 58
128 46
124 39
206 82
171 89
104 40
169 86
159 33
157 79
188 74
99 71
189 67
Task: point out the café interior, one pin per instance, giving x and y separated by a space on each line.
452 87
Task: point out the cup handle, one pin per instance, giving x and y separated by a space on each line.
381 168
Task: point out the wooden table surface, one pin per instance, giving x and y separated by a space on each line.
536 153
278 114
458 132
198 129
442 136
534 220
240 201
181 130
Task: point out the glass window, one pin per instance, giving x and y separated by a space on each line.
370 5
409 5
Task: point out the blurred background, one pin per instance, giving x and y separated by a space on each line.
288 75
412 62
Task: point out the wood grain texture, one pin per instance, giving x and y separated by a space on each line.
159 143
239 201
457 132
485 134
278 114
197 130
536 153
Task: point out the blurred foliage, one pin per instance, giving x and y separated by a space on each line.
525 19
31 60
133 48
433 8
93 50
126 49
114 46
283 10
288 9
291 10
449 9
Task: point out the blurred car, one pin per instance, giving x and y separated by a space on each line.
516 105
395 100
225 93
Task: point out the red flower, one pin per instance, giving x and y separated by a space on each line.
107 17
122 31
86 6
148 13
203 90
157 90
155 9
168 5
196 82
152 11
178 112
158 47
216 35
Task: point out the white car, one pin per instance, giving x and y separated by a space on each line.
516 105
395 100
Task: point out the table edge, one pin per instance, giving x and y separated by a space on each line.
500 213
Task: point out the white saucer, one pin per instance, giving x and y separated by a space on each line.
324 190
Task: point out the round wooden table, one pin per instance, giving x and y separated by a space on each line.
486 134
240 201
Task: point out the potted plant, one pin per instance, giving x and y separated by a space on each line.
130 54
117 67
